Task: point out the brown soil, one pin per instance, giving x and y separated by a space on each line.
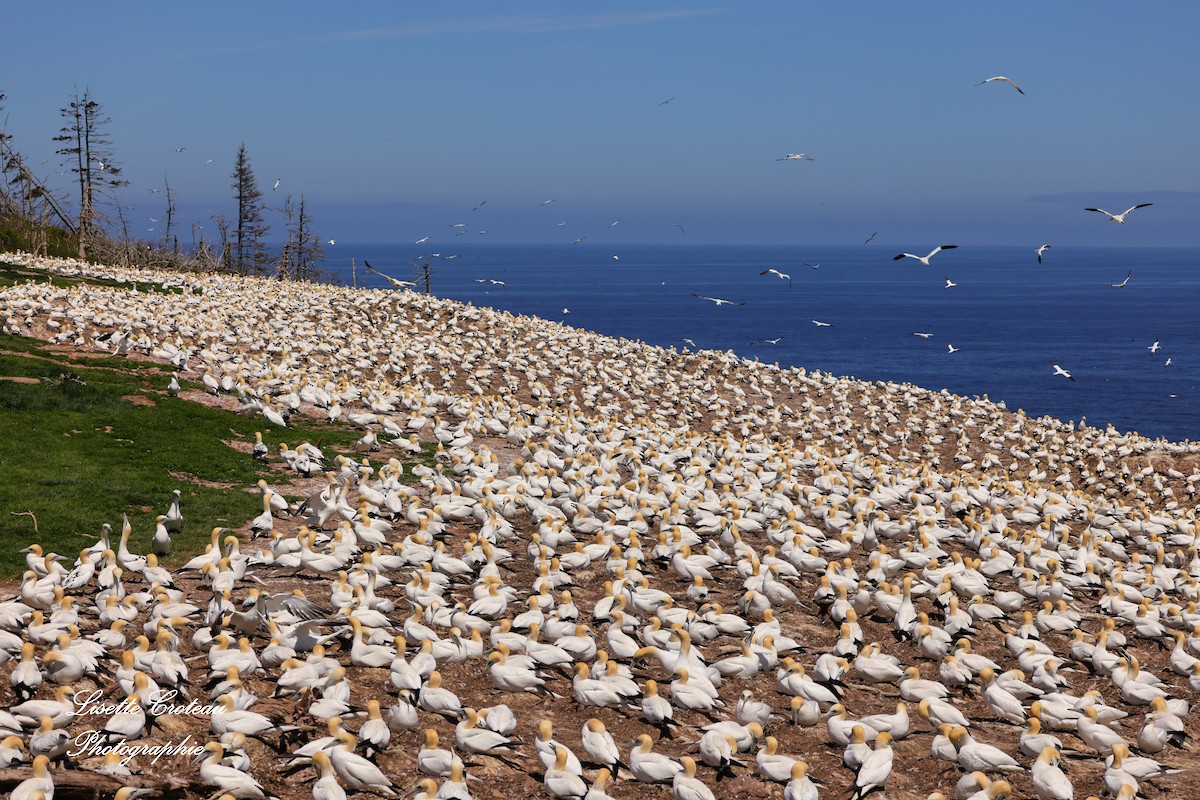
916 773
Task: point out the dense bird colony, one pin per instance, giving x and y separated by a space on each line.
634 573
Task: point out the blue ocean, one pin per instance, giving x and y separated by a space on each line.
1008 317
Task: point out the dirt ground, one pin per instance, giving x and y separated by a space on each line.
916 773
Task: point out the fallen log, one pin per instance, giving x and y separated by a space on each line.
81 784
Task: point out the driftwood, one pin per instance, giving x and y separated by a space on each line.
81 783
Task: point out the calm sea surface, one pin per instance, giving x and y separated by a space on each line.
1008 316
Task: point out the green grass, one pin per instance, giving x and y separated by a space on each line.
77 453
12 274
14 236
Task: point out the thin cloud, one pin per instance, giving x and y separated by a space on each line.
1116 197
522 24
526 23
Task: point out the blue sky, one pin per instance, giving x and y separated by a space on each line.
396 119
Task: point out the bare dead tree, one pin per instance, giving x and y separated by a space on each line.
170 217
87 149
202 253
126 243
7 203
425 271
224 246
28 201
286 267
25 198
303 248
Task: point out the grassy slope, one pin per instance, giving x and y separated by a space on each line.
11 274
14 235
77 453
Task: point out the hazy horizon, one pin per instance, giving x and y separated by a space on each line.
395 123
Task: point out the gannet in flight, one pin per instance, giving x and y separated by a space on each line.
1060 371
717 300
795 157
820 324
1000 78
923 335
950 284
1154 347
1121 285
925 259
951 348
777 274
394 282
1119 217
1042 250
